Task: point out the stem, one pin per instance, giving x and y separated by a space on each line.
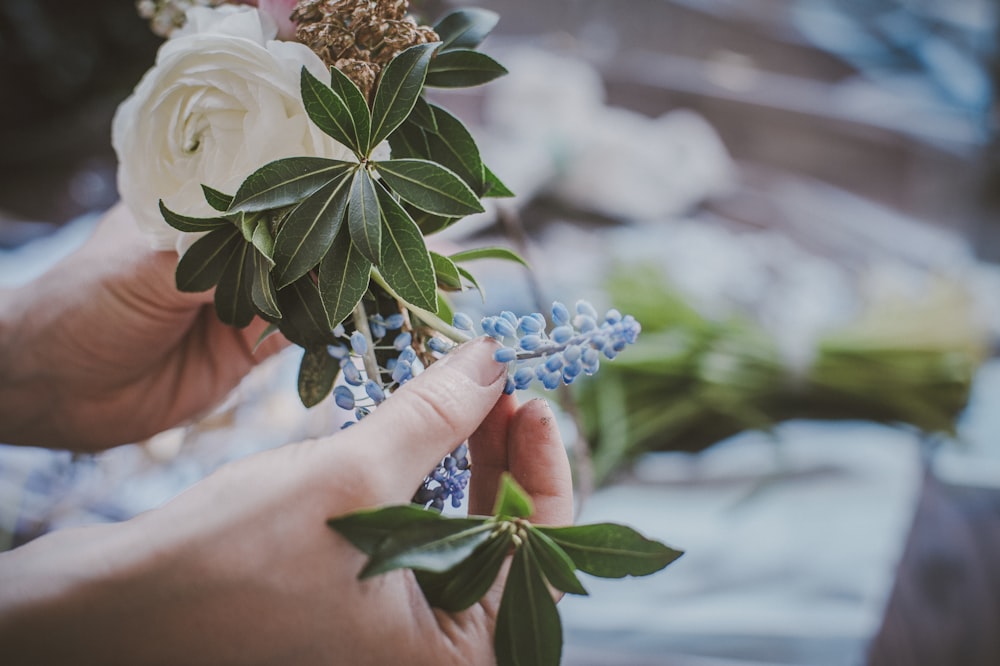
360 317
429 318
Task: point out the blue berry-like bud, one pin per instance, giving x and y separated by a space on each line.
339 331
508 387
572 354
554 363
560 314
510 317
351 373
504 328
586 309
562 334
504 355
358 343
439 345
613 316
408 355
402 341
462 321
523 378
377 326
530 342
551 380
374 391
344 397
584 323
394 321
338 352
529 325
490 327
402 373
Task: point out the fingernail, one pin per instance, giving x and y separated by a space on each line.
475 360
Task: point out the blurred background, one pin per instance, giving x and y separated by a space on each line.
799 201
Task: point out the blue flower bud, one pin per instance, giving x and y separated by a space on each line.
572 353
586 309
504 328
530 342
439 345
374 391
462 321
504 355
529 325
339 331
344 397
377 326
394 321
338 352
554 363
402 341
509 317
613 316
584 324
408 355
402 373
551 380
358 343
560 315
562 334
523 378
508 387
351 373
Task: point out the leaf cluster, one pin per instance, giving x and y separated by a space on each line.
457 560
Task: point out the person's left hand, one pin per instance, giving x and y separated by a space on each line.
104 350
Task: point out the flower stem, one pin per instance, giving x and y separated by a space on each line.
360 318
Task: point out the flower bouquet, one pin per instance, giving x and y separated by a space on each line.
292 155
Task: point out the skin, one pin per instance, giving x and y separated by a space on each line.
240 568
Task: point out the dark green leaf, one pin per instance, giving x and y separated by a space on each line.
216 199
191 224
367 529
263 241
512 501
317 373
398 89
202 265
356 104
472 280
465 28
488 253
423 116
428 222
330 112
609 550
262 292
364 217
409 140
465 584
429 187
444 310
232 295
406 264
556 565
268 331
343 279
446 272
463 69
528 630
309 230
454 148
303 319
494 186
286 182
428 546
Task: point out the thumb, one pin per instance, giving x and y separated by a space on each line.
431 415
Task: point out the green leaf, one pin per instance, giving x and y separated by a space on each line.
356 104
409 140
190 224
216 199
263 241
465 584
488 253
465 28
453 147
428 546
303 319
463 69
429 187
268 331
317 372
494 186
331 113
398 89
444 310
364 217
262 292
446 272
286 182
368 528
556 565
528 630
308 231
472 280
406 264
232 295
610 550
343 279
422 116
512 501
204 262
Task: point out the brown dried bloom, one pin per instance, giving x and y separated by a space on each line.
359 37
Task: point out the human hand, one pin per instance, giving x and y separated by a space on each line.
103 350
242 567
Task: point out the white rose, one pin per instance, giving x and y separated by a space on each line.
221 101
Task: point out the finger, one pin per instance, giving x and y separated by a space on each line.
488 452
537 460
430 416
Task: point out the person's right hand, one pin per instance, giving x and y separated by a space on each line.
243 569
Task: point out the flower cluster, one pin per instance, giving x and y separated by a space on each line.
447 481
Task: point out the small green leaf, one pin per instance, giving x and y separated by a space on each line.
331 113
216 199
356 104
286 182
512 501
398 89
488 253
609 550
444 310
262 292
343 278
409 141
465 28
232 295
309 230
494 186
463 69
453 147
268 331
430 187
263 241
446 272
422 116
556 565
317 372
428 546
190 224
472 280
465 584
368 528
364 219
406 264
303 319
528 630
204 262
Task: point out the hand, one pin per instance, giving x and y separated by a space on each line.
242 568
103 350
